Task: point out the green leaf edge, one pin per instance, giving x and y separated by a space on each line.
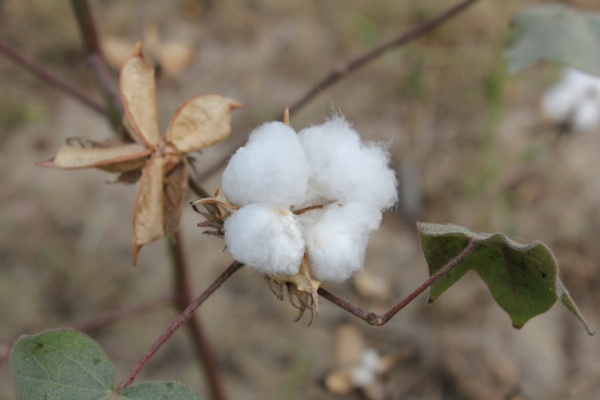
562 294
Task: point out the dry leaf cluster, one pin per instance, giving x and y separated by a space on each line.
170 57
161 159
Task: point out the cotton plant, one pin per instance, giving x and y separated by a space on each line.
574 101
299 207
156 161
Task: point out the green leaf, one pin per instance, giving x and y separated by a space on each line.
61 365
68 365
523 278
554 32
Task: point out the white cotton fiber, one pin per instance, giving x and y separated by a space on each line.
344 169
270 168
587 117
337 241
574 100
266 238
559 102
369 365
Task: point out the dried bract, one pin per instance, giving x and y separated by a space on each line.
199 122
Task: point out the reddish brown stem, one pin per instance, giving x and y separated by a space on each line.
185 315
204 350
379 320
49 77
95 58
354 64
347 67
110 317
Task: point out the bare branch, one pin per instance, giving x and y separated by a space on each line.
204 349
49 77
180 321
95 58
347 67
354 64
379 320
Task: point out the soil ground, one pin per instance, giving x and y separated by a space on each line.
468 144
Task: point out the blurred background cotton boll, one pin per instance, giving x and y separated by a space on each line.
574 102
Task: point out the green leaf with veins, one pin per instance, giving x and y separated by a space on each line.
68 365
554 32
523 278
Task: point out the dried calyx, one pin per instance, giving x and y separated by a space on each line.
300 207
159 161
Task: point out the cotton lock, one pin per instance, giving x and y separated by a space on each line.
313 196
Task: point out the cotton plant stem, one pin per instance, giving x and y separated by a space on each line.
347 67
49 77
185 315
95 58
110 317
379 320
204 350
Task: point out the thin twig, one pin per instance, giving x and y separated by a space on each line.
95 58
189 311
354 64
49 77
379 320
110 317
204 350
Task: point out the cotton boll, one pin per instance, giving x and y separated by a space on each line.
337 242
569 100
265 238
576 77
559 102
362 376
270 168
378 184
369 365
346 170
587 116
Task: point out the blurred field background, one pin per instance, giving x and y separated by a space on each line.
468 143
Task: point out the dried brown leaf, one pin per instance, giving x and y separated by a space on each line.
349 345
340 382
174 57
200 122
148 212
175 189
138 93
122 158
116 51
